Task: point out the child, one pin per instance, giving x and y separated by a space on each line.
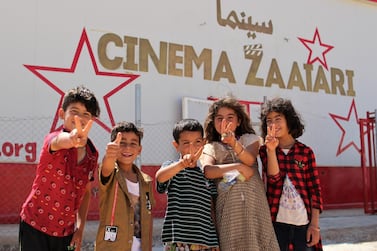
229 157
126 197
54 214
293 187
188 223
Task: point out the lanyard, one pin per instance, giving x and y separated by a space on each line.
114 204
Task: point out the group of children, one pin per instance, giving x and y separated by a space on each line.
217 199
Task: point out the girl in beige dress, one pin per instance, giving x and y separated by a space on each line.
242 213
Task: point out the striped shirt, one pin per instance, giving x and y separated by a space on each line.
188 214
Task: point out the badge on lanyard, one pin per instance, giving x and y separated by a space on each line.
110 233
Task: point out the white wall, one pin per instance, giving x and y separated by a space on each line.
47 34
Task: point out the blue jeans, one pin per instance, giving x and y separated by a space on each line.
290 234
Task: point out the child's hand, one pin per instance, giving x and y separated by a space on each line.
312 236
190 159
79 135
76 241
271 141
246 171
112 148
227 135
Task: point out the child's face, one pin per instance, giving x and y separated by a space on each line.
278 119
230 118
130 148
189 142
73 109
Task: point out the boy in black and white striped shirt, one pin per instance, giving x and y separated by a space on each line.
189 222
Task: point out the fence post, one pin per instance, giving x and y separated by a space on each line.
138 117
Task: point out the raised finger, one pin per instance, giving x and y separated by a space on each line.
223 126
268 130
190 149
78 124
227 128
118 138
198 153
87 127
273 130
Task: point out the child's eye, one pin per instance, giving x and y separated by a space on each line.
87 115
74 112
131 145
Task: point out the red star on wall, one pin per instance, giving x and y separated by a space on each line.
106 90
317 49
350 129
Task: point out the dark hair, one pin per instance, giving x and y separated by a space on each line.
191 125
283 106
240 110
126 127
83 95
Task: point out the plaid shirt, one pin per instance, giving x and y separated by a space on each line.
300 166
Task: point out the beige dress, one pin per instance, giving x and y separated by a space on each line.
242 212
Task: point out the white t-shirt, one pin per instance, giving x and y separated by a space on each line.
134 190
291 207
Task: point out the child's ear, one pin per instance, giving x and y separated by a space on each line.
175 144
61 113
141 148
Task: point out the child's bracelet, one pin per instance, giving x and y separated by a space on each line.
315 228
243 149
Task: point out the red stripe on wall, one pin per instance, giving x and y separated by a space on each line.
341 188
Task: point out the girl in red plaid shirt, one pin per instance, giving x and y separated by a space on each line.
293 186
